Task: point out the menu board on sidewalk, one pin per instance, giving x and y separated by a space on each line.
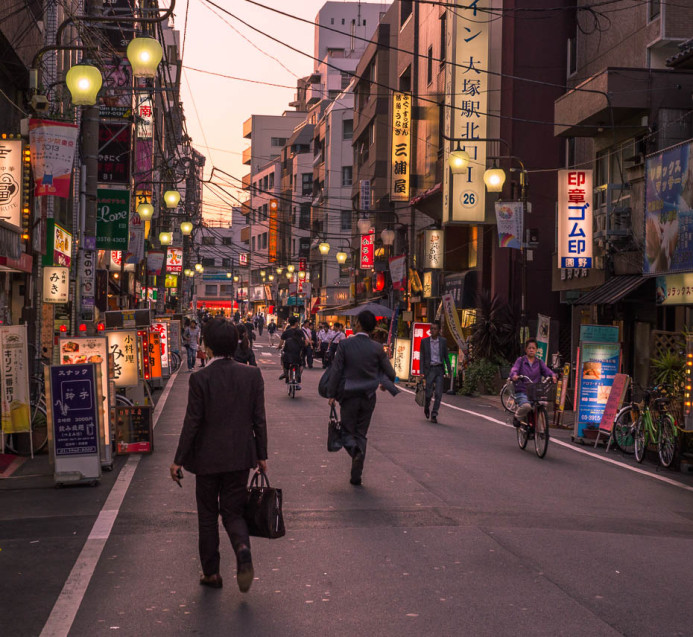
598 365
134 430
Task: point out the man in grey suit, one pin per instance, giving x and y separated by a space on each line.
360 366
434 364
224 436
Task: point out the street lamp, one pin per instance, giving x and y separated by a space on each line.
324 248
145 211
171 197
228 275
263 273
186 228
364 225
84 82
289 275
271 277
165 238
144 55
198 267
290 268
301 275
341 257
235 278
458 161
279 270
388 237
494 178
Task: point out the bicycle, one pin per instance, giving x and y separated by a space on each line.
662 433
507 396
537 425
175 362
19 444
292 384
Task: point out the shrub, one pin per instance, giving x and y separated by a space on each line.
481 375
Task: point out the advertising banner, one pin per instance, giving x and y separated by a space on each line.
143 164
11 181
56 284
598 365
543 332
53 146
466 116
135 251
367 251
510 223
134 430
669 211
114 153
453 322
155 261
401 146
419 331
145 116
115 261
434 250
87 277
273 239
161 328
398 271
14 363
116 98
575 229
112 219
123 347
174 260
401 359
58 245
74 410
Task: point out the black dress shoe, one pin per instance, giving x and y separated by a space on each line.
282 376
356 468
434 419
356 483
427 413
245 572
213 581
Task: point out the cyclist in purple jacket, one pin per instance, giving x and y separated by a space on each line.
532 367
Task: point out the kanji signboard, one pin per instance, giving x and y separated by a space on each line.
575 219
401 146
123 347
56 285
367 260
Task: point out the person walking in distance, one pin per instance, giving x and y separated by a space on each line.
260 324
307 355
224 435
193 344
359 367
271 331
185 338
435 363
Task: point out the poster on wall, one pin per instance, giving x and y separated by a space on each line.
116 95
14 363
669 211
510 224
53 145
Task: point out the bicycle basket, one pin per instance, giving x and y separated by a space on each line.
540 392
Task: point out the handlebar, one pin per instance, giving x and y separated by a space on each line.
544 379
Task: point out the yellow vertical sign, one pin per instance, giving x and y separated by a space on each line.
273 231
401 147
14 361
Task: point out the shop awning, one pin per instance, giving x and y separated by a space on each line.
615 289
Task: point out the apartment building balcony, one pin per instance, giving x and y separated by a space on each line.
248 128
246 181
245 234
247 155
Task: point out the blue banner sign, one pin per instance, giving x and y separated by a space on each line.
599 364
599 333
74 409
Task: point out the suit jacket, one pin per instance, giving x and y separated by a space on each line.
224 427
359 366
426 354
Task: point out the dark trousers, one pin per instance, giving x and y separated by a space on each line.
308 355
355 413
192 353
434 377
225 494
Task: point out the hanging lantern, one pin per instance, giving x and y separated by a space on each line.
144 55
186 228
324 248
341 257
388 236
494 178
171 197
380 281
84 82
145 211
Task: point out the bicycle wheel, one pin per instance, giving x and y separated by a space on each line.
507 397
20 443
541 432
175 362
639 440
624 427
667 439
522 436
123 401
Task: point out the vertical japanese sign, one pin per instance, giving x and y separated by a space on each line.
153 353
90 349
11 181
367 251
575 219
123 347
419 331
74 409
174 260
452 320
402 358
273 238
434 249
16 403
543 332
145 116
112 219
56 285
365 194
161 328
53 146
466 102
243 258
87 277
114 153
510 224
401 146
135 252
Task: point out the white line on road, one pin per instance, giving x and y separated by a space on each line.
571 447
70 599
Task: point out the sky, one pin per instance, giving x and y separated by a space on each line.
215 107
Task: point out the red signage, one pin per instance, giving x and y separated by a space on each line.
418 333
614 402
367 251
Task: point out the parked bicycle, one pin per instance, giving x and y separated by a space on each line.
537 425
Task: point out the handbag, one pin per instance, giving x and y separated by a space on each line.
201 354
420 396
324 382
334 432
263 508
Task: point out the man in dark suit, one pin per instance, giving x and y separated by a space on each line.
360 366
434 364
224 436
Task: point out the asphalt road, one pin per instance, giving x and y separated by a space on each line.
455 531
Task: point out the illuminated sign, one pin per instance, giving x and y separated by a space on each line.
434 249
401 147
174 260
123 347
56 284
419 331
273 231
367 251
11 181
402 358
575 219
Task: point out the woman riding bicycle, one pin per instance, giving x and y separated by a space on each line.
534 369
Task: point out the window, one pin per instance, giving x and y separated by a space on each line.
225 290
405 11
443 28
304 218
207 241
265 208
331 20
294 247
264 182
346 175
429 65
264 241
226 241
208 262
346 220
655 9
270 185
364 23
346 78
210 289
307 184
226 263
371 134
252 244
342 20
405 80
347 128
572 56
278 141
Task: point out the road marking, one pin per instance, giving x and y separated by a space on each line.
572 447
70 599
